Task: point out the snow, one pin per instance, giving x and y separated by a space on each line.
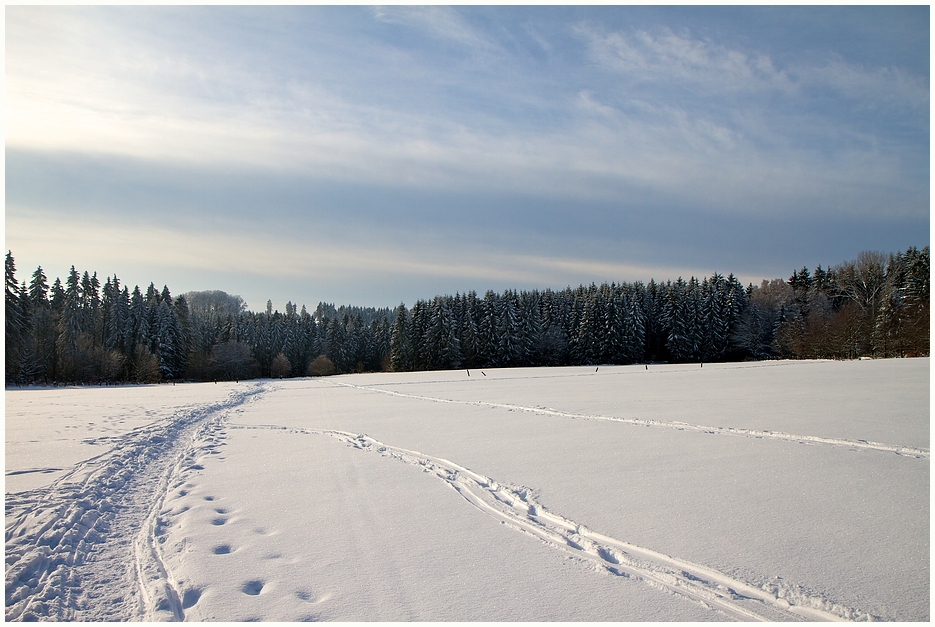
50 430
777 490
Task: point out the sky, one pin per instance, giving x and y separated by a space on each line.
378 155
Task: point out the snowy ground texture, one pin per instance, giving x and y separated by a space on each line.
775 490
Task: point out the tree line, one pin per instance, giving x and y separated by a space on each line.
81 331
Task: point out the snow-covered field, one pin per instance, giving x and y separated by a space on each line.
774 490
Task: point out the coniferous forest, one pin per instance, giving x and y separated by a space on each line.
81 331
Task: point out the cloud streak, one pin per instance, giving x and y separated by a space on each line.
310 264
669 57
440 22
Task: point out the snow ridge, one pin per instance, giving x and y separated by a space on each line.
517 507
908 451
71 552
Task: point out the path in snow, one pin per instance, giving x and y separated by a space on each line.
73 548
517 507
664 424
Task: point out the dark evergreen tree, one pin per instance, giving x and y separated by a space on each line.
677 320
400 341
470 340
16 325
530 329
633 326
510 343
42 328
487 333
337 345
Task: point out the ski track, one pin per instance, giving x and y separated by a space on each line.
83 548
517 507
907 451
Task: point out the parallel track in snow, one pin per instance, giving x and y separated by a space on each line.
907 451
72 548
517 507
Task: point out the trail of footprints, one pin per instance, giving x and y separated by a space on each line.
218 516
173 597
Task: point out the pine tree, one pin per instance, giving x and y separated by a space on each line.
29 366
70 328
487 334
312 334
170 349
16 324
510 343
443 348
42 326
633 327
183 315
715 318
293 346
137 331
94 319
337 345
585 348
675 317
469 331
530 328
614 324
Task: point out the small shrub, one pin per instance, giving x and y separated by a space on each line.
146 366
321 366
281 367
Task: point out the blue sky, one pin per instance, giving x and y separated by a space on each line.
376 155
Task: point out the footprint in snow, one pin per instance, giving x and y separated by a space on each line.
252 588
190 598
219 521
307 596
222 549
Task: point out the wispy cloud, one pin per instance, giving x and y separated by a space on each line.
441 22
667 56
889 87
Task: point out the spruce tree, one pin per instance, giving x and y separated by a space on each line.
470 347
487 334
15 320
531 328
42 327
